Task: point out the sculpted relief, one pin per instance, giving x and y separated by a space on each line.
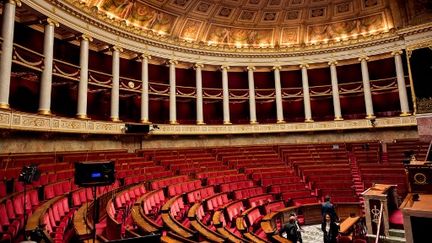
288 31
137 13
346 28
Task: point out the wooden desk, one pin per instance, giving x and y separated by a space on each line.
142 221
82 230
201 228
411 209
172 223
36 218
347 224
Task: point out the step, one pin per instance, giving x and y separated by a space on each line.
397 233
390 239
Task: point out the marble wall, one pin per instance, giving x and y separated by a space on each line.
36 142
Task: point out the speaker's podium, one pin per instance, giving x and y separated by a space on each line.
417 206
380 203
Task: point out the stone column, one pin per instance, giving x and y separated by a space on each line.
278 94
115 89
251 84
306 95
172 92
366 88
7 49
145 89
83 84
225 91
46 80
199 94
335 91
403 98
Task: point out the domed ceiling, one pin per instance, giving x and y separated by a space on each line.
253 23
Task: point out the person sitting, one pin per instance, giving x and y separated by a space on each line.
328 207
291 230
330 229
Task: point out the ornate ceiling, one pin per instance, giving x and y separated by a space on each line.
252 23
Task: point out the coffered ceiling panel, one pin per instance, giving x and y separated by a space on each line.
253 23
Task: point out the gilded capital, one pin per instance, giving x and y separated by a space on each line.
332 63
172 62
198 65
85 37
15 2
116 48
251 68
277 67
304 65
225 67
397 52
49 21
144 56
365 58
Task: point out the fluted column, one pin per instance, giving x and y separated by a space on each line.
366 87
225 92
7 49
335 91
306 95
199 94
145 89
115 88
46 80
172 92
403 98
278 94
252 105
83 84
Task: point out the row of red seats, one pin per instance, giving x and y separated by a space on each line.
209 174
226 178
83 195
127 197
232 186
216 201
12 213
58 189
157 184
179 188
57 219
200 194
247 192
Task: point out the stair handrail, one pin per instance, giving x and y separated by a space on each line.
379 222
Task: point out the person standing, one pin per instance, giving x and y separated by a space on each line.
330 229
328 207
291 230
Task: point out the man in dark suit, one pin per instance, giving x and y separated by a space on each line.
328 208
291 230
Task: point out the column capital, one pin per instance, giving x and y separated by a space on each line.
144 56
14 2
49 21
250 68
172 62
225 67
198 65
84 37
116 48
277 67
397 52
332 63
363 58
304 65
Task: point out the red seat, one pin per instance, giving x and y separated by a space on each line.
49 192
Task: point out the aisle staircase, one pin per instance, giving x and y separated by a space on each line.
355 171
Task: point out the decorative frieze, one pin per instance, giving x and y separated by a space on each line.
30 122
